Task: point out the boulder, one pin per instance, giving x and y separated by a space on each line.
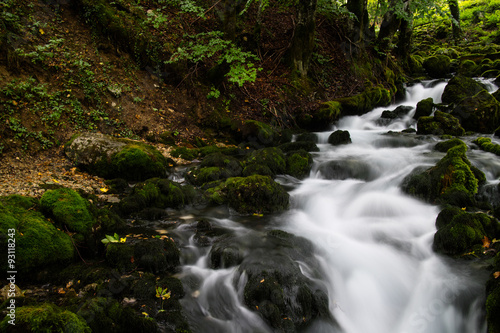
111 157
437 66
460 87
339 137
38 242
298 163
272 158
214 167
452 181
424 108
365 101
479 113
254 194
347 169
439 124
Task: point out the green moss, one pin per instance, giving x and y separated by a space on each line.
439 124
259 133
437 66
298 164
451 181
424 108
68 209
486 145
120 256
460 87
139 162
339 137
45 318
461 233
493 309
468 68
365 101
478 113
38 242
271 157
444 146
250 195
158 193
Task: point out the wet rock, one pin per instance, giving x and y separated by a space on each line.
339 137
298 163
397 113
347 169
439 124
272 158
366 101
452 181
437 66
479 113
444 146
424 108
460 87
309 146
254 194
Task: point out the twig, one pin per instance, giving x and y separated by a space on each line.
76 248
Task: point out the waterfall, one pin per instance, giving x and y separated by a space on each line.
373 242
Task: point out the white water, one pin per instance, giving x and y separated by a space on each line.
374 243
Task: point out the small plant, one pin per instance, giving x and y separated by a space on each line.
214 93
137 100
162 294
113 239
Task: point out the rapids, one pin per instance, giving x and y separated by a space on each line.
373 242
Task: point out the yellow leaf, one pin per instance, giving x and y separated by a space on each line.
55 181
41 31
14 102
486 242
103 189
496 275
145 313
262 280
123 240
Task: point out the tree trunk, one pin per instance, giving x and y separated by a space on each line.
360 9
455 15
303 38
405 40
228 12
388 28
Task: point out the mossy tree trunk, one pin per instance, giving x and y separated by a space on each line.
389 27
455 15
228 13
360 26
303 38
405 40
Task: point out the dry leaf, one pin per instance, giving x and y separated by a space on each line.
496 275
486 242
262 280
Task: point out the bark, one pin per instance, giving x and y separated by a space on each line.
228 12
303 38
455 23
360 9
388 28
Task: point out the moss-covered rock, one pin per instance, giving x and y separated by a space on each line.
254 194
120 256
38 242
271 157
459 231
424 108
365 101
451 181
298 163
439 124
444 146
321 118
486 145
260 134
214 167
111 157
299 145
493 309
68 209
468 68
106 315
157 255
339 137
437 66
307 137
45 318
478 113
157 193
460 87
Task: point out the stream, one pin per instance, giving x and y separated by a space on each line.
372 241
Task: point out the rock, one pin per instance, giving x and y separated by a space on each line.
68 209
399 112
299 145
439 124
479 113
486 145
298 163
272 158
214 167
9 291
437 66
321 118
444 146
308 137
365 101
254 194
468 68
460 87
276 287
110 157
459 231
156 193
157 255
38 242
260 134
45 317
452 181
424 108
347 169
339 137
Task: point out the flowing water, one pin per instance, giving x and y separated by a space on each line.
373 242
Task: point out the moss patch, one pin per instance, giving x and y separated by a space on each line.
38 242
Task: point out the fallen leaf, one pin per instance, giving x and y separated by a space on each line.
262 280
104 190
496 275
486 242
